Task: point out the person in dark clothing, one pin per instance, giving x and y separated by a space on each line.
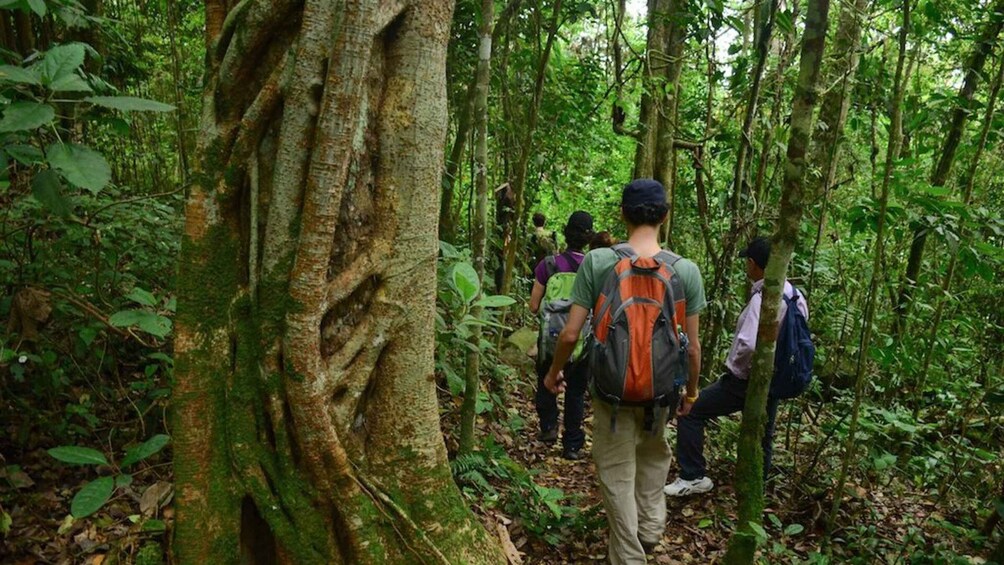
578 233
728 394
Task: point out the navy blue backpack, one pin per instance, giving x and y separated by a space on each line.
794 352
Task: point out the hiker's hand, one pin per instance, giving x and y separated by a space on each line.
555 381
685 406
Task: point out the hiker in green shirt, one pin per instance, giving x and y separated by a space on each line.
631 454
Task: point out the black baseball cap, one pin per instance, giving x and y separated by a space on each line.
643 191
758 250
580 220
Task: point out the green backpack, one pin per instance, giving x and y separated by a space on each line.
553 313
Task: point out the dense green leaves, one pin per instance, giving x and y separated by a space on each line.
150 322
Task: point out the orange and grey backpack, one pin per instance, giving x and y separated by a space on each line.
638 354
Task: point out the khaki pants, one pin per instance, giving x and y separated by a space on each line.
632 465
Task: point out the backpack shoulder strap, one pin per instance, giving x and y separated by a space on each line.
669 258
551 265
624 250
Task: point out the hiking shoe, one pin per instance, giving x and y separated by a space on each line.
548 436
649 546
573 454
683 487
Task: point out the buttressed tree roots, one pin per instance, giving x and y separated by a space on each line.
306 421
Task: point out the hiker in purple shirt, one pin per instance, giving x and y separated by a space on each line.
578 233
728 394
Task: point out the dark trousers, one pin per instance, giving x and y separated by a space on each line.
724 397
576 379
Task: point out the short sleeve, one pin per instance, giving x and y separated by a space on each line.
582 288
540 272
693 285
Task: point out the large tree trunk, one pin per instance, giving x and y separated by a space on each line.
749 467
306 421
479 235
893 148
960 115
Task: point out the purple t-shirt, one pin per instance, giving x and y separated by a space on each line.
567 262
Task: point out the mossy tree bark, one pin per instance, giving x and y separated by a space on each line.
833 111
973 71
749 467
479 236
305 416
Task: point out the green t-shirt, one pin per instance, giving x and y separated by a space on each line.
599 263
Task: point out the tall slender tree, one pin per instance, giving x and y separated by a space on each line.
479 235
306 421
749 467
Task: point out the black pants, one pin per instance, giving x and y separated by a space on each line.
724 397
576 379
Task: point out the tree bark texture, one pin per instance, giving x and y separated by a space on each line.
939 176
749 467
479 235
305 416
833 113
893 149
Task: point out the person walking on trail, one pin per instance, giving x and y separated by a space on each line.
728 394
543 242
551 298
646 305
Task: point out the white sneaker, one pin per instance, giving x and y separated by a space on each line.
683 487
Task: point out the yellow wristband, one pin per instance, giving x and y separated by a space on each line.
693 399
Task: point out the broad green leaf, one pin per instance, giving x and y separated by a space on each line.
70 83
26 116
705 523
92 497
18 75
129 104
61 60
149 322
465 281
78 455
758 530
87 335
495 301
793 529
48 190
123 480
5 523
37 6
80 165
25 154
140 296
145 449
448 250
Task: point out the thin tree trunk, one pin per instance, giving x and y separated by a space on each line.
749 467
511 240
946 283
479 235
447 219
939 177
306 426
179 95
652 83
833 113
892 155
